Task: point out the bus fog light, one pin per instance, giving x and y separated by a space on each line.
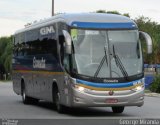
76 99
141 98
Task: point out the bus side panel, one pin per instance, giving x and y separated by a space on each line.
46 85
27 76
16 83
22 74
61 86
43 78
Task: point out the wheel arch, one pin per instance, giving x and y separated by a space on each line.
55 88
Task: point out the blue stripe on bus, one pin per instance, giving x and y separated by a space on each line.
129 25
105 85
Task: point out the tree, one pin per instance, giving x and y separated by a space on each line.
2 71
113 12
153 29
5 54
101 11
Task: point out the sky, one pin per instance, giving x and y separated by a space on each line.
14 14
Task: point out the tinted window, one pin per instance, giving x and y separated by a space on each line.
36 42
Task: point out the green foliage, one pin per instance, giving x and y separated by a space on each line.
6 53
155 86
153 29
126 14
113 12
101 11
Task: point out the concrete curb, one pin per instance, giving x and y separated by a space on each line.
152 94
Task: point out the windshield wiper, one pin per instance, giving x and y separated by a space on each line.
120 64
101 63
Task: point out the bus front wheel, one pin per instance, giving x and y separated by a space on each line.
60 107
118 109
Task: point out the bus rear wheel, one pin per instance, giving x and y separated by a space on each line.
26 99
118 109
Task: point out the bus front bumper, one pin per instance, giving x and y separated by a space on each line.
103 99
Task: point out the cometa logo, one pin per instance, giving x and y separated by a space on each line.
39 63
110 81
47 30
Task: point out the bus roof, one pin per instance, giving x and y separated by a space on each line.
77 19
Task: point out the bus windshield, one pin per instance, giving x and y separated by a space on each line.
107 53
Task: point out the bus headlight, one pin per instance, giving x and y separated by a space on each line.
139 85
80 88
138 88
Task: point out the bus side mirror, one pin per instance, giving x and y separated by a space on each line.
68 42
148 40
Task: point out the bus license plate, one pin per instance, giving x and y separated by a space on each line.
112 101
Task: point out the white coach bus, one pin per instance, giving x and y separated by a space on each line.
81 60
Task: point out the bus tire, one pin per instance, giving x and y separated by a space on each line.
118 109
25 98
60 108
56 99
